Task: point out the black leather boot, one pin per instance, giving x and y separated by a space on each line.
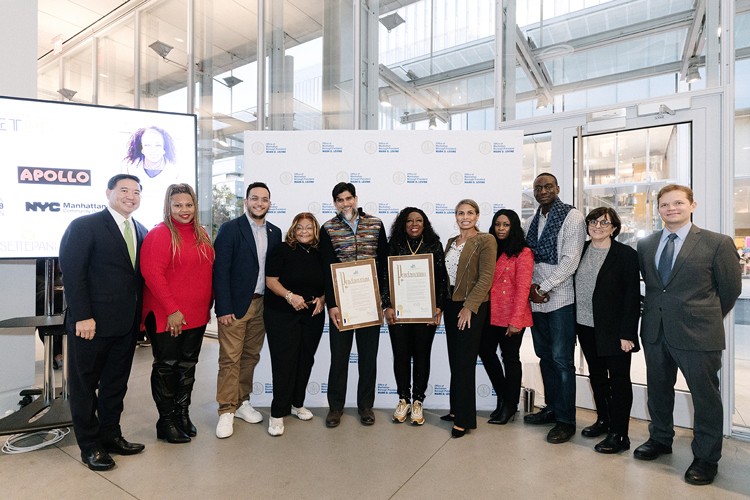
166 429
182 415
507 413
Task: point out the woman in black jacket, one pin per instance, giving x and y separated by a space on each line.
607 309
412 234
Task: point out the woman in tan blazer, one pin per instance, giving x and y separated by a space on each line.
470 260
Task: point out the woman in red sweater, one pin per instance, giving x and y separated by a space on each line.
176 262
510 313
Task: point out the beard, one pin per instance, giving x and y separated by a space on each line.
348 213
257 217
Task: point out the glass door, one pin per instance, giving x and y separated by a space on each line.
621 158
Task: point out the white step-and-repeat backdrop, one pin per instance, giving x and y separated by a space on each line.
391 170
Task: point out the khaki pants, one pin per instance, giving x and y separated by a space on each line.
239 353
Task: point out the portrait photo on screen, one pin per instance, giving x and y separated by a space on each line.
57 158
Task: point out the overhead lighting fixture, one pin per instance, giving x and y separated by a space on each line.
391 21
541 101
161 48
411 75
231 80
693 75
432 123
385 101
67 93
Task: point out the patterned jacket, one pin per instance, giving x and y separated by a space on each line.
339 243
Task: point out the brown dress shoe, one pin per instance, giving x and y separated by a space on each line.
333 419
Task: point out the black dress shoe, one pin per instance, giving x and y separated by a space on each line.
597 429
542 417
122 447
166 428
447 418
333 419
651 450
506 414
366 416
97 459
457 433
613 443
561 433
701 472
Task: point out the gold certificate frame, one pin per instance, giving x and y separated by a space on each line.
412 285
355 285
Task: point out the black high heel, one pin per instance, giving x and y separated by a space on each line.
506 414
447 418
457 433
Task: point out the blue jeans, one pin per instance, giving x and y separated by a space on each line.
554 338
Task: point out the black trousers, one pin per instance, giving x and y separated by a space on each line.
411 341
173 369
463 348
610 382
98 372
505 377
292 341
367 353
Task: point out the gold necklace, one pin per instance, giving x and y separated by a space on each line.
414 252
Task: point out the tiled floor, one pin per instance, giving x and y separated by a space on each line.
353 461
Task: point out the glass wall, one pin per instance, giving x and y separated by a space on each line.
430 65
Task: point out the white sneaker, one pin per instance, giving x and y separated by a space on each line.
276 426
248 413
402 409
302 413
225 427
417 417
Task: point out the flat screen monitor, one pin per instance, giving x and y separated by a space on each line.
56 159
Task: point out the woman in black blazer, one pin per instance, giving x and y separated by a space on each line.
607 310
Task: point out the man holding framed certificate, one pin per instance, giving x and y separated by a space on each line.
345 240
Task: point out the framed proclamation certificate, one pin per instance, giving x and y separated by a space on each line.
357 293
412 284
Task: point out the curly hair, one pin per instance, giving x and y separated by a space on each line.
398 228
291 236
135 147
516 241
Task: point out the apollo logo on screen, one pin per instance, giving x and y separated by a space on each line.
54 176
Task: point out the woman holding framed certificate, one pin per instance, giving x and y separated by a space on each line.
412 238
510 313
470 261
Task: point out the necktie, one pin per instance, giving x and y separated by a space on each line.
665 260
129 241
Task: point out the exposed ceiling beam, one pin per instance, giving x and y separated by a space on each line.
695 37
535 71
428 102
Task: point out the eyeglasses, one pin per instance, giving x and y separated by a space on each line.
601 223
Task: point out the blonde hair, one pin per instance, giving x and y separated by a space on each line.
291 238
202 241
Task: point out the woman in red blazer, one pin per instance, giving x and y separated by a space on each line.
177 265
510 313
607 311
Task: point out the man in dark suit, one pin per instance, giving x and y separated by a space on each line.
692 281
239 284
103 289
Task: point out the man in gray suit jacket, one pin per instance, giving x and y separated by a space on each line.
692 281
